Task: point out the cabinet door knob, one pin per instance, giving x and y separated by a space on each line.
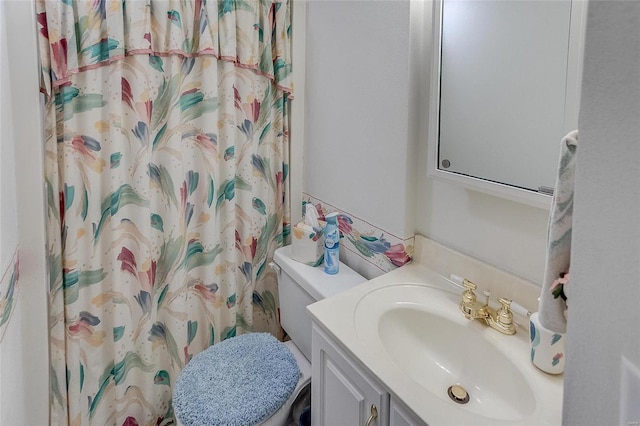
373 416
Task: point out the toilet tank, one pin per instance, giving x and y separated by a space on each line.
300 285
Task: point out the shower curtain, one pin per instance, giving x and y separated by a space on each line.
166 174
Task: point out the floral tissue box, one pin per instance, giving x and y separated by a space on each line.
307 243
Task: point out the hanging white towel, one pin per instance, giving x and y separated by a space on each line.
551 310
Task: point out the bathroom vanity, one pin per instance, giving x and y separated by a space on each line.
345 394
397 350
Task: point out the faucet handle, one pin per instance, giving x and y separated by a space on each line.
504 316
462 282
469 305
506 303
468 296
469 285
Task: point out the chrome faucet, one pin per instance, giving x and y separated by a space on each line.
500 319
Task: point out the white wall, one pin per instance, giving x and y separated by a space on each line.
296 118
8 214
502 233
605 264
360 111
24 367
366 106
358 102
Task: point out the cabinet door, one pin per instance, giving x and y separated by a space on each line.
341 392
399 415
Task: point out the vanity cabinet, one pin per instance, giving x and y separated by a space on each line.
342 393
399 415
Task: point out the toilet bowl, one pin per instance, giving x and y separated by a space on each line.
298 286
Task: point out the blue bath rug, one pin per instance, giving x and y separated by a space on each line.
239 381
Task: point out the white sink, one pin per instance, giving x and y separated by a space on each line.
406 328
425 335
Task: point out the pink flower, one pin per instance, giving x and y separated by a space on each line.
236 98
59 54
84 145
128 260
82 327
557 287
252 110
247 250
344 224
397 255
208 142
279 188
564 279
127 93
44 29
207 291
130 421
320 211
144 110
151 273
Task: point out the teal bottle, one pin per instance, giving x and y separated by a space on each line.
331 244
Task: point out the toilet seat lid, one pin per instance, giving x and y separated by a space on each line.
239 381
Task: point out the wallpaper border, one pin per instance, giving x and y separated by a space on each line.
374 245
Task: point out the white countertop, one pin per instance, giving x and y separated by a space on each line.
336 316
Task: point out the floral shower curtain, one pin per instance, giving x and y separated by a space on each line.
166 169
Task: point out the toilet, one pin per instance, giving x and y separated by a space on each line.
299 285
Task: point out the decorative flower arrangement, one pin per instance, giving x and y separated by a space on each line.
558 289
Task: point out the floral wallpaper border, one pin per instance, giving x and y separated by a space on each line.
376 246
8 291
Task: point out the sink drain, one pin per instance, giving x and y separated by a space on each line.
458 394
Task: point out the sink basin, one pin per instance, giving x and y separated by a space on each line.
422 332
405 328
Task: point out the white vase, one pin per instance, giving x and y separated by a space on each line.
547 347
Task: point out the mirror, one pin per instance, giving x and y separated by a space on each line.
504 91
